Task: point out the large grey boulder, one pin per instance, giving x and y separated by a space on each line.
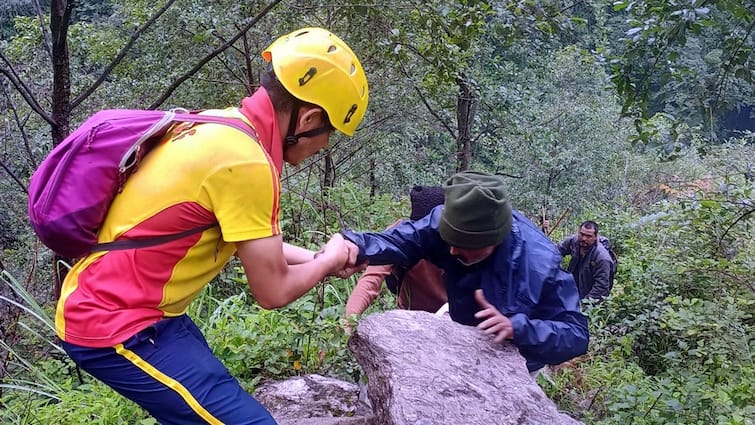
424 369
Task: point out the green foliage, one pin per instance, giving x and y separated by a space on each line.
307 336
303 338
690 59
310 213
563 146
89 403
39 385
674 343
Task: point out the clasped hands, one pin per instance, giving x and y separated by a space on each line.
342 254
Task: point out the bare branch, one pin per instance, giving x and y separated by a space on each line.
21 127
46 41
427 104
214 53
734 223
727 65
19 85
245 78
14 177
419 54
566 8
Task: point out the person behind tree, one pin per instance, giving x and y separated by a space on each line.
590 262
122 314
501 273
419 287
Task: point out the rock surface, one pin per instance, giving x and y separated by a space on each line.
315 398
423 369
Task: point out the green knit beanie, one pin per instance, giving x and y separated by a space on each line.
477 211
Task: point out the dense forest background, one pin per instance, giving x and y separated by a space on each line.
635 114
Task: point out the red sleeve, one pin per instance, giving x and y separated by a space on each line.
367 289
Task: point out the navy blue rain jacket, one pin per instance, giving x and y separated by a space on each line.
523 279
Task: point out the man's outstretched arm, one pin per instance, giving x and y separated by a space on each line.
276 283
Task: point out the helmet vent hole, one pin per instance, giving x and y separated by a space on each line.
331 49
353 69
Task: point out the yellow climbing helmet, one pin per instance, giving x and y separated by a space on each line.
316 66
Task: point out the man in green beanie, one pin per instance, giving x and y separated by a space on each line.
501 273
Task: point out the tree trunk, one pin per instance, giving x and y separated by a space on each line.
329 173
373 179
60 17
466 107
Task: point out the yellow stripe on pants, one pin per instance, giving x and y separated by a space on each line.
168 382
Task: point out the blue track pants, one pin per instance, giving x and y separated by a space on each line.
170 371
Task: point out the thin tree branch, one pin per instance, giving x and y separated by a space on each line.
135 36
342 145
239 76
214 53
418 53
46 41
427 104
30 156
19 85
722 78
14 177
734 223
248 65
565 8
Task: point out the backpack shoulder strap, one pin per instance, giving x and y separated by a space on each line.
236 123
146 242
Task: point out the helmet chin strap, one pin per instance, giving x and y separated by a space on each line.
292 138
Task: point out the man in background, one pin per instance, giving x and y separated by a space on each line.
590 262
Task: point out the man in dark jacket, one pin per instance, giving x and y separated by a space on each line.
418 288
590 262
501 273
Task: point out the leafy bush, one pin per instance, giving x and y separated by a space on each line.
89 403
305 337
674 342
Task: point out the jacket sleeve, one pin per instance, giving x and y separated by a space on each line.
367 289
556 330
402 245
600 277
564 247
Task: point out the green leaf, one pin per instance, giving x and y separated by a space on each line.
619 5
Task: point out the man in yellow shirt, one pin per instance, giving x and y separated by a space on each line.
122 313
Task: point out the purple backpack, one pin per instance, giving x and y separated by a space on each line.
71 190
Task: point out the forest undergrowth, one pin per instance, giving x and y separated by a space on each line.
673 344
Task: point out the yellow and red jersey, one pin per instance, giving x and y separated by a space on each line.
196 176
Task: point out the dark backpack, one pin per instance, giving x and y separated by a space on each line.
614 259
71 190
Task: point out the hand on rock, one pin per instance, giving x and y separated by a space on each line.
494 322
